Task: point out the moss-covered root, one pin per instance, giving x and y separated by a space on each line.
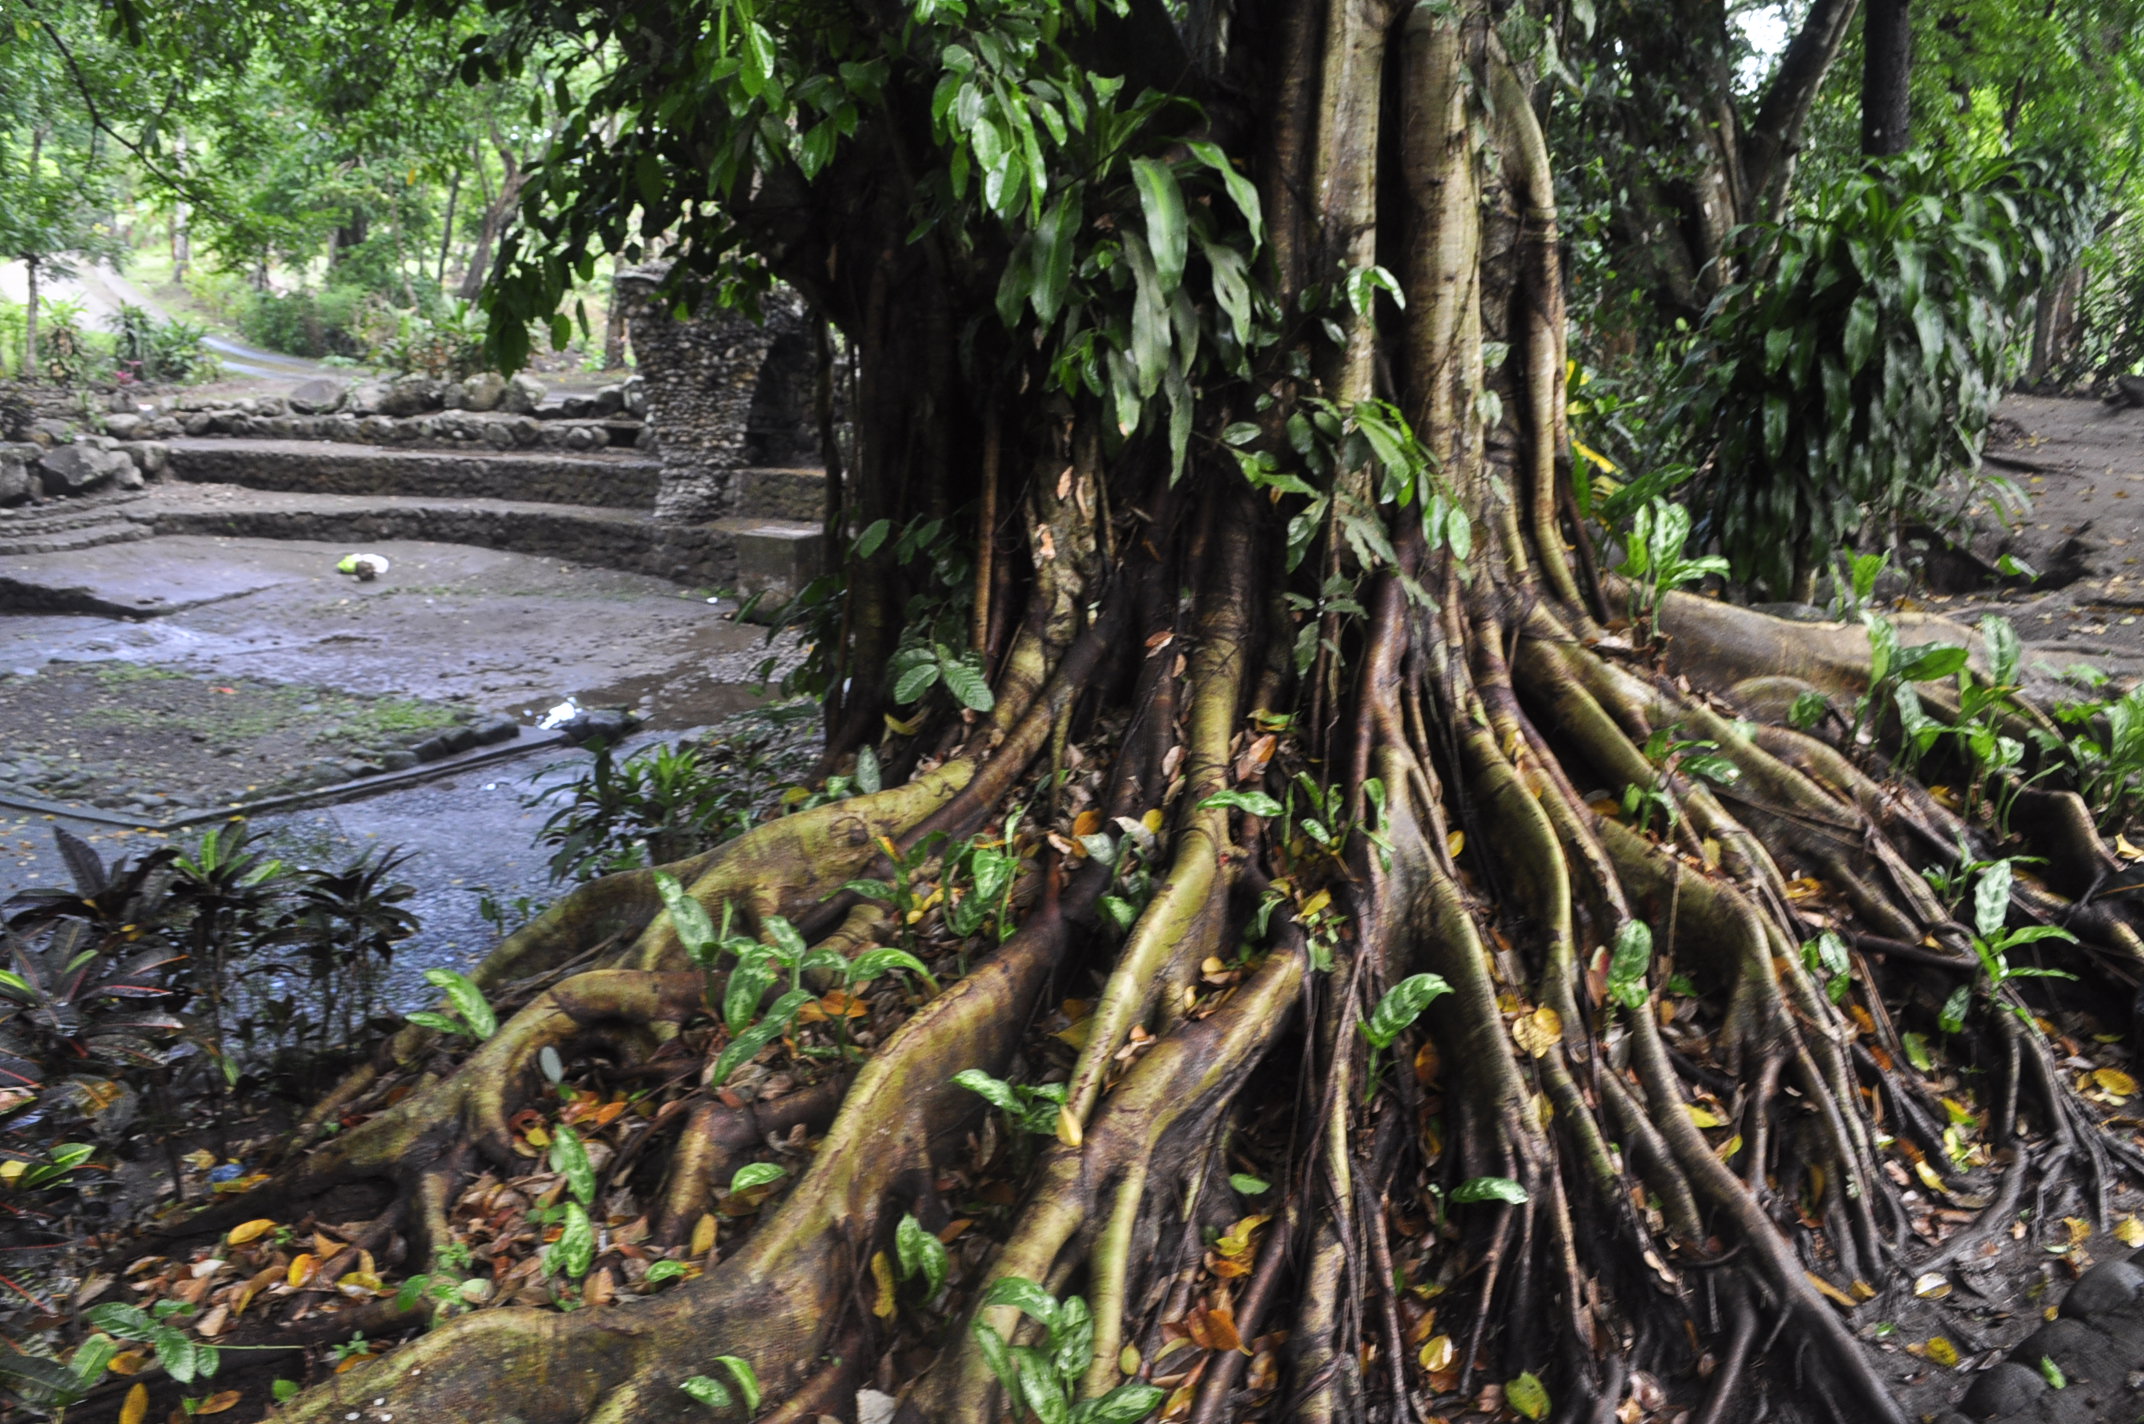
1140 1138
776 1301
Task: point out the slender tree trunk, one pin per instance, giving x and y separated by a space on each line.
614 326
446 229
182 246
30 369
1886 78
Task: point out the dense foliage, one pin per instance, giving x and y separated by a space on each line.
1835 388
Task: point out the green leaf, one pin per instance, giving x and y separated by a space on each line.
746 1046
873 962
1628 963
915 682
1126 1404
1916 1046
1072 1339
1056 238
968 684
1162 201
2005 654
1931 662
920 1254
1255 803
873 538
285 1390
709 1392
997 1356
868 774
575 1250
994 1091
1249 1185
1826 952
1025 1296
1241 190
1952 1019
2052 1372
1402 1004
1527 1395
1483 1189
1991 899
747 1379
664 1271
468 1001
750 979
1860 335
569 1157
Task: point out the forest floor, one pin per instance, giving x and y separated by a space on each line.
2081 465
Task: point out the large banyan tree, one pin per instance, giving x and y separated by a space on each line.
1360 926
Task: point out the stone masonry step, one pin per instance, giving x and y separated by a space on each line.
747 556
32 520
616 481
786 493
112 529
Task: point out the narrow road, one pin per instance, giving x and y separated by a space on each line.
101 291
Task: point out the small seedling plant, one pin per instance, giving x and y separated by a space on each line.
1992 943
1045 1377
1395 1013
759 966
1656 562
1673 754
471 1014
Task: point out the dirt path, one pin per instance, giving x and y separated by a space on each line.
2081 464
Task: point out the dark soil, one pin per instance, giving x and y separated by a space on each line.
140 737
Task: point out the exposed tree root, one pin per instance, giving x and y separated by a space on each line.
1577 1165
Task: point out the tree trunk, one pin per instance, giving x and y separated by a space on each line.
182 245
30 369
1365 1058
1886 79
614 328
446 230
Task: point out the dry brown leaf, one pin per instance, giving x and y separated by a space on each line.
882 1272
1538 1031
219 1401
1829 1291
1214 1328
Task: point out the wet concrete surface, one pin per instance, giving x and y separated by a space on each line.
494 631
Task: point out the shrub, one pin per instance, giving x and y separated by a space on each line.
1828 394
152 350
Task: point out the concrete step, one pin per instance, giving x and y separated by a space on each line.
775 559
112 529
599 479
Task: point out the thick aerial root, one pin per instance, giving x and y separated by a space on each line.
775 1301
1186 1078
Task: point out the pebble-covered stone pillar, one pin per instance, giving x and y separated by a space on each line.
701 374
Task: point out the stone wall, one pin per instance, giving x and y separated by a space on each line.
708 382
